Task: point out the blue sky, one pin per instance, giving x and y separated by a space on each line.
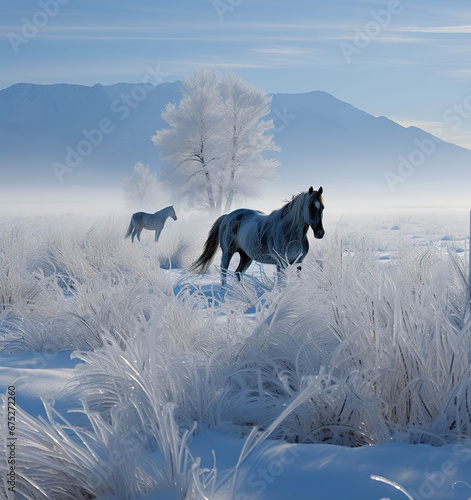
413 65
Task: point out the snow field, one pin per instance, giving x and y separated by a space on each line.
368 344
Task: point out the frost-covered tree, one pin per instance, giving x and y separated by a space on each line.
141 188
216 140
244 138
191 143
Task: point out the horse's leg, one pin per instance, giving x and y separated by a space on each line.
301 258
279 273
300 262
137 224
299 266
244 264
225 259
157 233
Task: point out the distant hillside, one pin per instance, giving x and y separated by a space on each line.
323 140
39 122
330 138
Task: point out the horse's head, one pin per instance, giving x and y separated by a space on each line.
173 215
313 211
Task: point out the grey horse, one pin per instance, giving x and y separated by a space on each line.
152 222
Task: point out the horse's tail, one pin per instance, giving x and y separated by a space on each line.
129 231
211 246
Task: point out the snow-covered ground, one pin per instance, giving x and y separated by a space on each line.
281 470
155 381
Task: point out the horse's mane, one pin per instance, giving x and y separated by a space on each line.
165 210
284 226
292 209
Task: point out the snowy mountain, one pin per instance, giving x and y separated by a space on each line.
41 124
103 130
321 132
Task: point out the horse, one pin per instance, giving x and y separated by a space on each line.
152 222
279 238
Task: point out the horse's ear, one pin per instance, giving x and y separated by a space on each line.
319 192
311 190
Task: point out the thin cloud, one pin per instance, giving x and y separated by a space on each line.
204 37
458 73
399 39
460 137
462 29
376 61
286 51
426 125
383 38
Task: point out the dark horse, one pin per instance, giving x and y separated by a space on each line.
279 238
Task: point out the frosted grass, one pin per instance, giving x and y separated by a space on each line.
355 350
